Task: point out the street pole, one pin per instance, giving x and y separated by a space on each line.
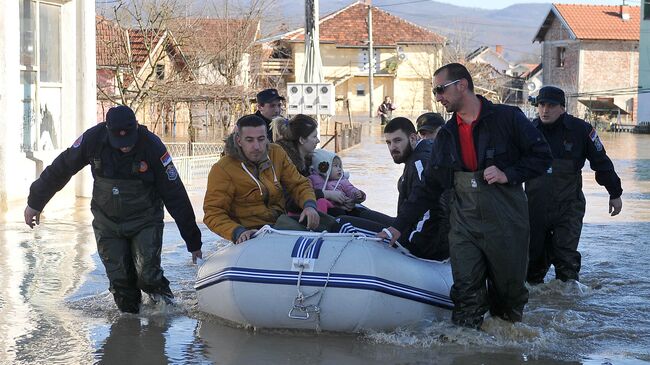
371 61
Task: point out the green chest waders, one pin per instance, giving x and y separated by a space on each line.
128 226
488 244
557 206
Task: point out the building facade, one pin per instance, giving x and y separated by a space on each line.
47 89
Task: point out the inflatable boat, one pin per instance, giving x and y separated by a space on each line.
322 281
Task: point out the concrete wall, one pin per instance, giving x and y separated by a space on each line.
78 97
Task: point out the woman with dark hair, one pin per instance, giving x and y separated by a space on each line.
298 137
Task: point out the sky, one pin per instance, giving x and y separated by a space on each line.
500 4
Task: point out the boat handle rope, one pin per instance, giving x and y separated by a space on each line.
302 311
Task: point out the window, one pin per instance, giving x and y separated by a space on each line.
559 56
40 70
646 10
361 90
160 71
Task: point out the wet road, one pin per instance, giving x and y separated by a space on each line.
55 307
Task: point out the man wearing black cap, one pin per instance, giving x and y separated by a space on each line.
429 124
269 106
555 200
133 177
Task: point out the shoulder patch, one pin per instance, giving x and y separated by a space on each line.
172 173
166 159
593 136
77 143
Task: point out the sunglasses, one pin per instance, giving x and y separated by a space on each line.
440 89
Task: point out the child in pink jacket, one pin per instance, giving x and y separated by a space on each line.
327 174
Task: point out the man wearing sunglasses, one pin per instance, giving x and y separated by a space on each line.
484 152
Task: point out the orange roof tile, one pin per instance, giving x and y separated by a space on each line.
599 21
347 27
110 47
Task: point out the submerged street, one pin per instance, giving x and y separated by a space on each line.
55 307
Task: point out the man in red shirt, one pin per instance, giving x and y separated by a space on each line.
484 156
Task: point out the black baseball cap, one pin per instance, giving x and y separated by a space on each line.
122 126
429 122
550 95
268 95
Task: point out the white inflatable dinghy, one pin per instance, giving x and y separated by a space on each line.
322 281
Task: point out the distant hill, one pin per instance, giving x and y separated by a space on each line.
513 27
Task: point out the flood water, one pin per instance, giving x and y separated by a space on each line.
55 307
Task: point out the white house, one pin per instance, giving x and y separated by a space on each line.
47 90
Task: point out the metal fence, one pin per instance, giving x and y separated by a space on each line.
182 149
195 169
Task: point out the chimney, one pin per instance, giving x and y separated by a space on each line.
625 12
499 49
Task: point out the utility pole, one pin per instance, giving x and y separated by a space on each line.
371 62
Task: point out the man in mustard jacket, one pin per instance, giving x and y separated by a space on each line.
246 186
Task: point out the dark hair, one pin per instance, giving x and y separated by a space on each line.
250 120
299 126
456 71
431 119
400 123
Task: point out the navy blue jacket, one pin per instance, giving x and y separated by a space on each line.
153 165
503 137
585 144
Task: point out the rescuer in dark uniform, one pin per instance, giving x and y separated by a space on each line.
555 200
133 176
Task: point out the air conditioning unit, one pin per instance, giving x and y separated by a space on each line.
326 99
294 98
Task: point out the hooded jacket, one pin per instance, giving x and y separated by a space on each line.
243 195
321 169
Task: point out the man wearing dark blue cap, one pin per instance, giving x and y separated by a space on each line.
133 177
269 106
556 203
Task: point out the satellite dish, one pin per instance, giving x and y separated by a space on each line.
401 56
531 86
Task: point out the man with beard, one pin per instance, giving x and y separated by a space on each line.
427 237
246 187
484 152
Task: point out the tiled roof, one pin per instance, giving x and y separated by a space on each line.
596 22
109 46
210 36
347 27
142 44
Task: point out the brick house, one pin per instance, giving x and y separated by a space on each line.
406 55
592 52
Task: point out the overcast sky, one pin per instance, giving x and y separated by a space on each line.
499 4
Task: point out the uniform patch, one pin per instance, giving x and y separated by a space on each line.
77 143
593 136
166 159
172 173
143 166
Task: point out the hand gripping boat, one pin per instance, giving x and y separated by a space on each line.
322 281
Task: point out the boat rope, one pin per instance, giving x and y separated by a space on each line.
303 311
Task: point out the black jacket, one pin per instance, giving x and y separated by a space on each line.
503 137
269 133
148 161
585 144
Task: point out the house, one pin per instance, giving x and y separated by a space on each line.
592 52
185 79
643 112
47 90
493 57
405 55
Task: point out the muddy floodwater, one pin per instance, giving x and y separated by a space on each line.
55 307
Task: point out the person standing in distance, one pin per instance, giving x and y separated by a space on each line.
133 177
269 106
555 200
485 152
